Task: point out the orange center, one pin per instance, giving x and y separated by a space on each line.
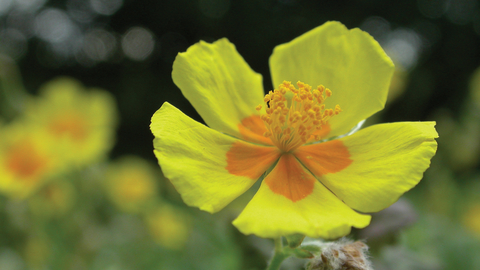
24 161
293 116
69 125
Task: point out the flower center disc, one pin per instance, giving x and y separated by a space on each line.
24 162
294 116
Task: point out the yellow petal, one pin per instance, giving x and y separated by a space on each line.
219 84
196 159
309 210
349 62
386 161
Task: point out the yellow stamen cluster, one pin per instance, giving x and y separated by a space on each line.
294 115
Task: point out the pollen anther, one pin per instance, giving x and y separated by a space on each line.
293 116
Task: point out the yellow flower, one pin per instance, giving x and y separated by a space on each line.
471 218
169 227
38 251
315 178
131 183
26 159
81 122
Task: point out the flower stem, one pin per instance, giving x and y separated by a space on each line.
279 255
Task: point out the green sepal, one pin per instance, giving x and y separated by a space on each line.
311 248
301 253
295 240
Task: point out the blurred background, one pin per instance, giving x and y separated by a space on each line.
99 201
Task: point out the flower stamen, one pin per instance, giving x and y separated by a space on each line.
294 115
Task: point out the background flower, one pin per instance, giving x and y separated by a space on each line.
81 122
132 184
26 159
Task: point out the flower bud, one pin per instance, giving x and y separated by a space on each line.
341 255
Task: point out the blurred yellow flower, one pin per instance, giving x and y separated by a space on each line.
26 159
81 122
170 227
131 183
37 251
471 218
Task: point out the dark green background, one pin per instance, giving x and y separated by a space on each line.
438 80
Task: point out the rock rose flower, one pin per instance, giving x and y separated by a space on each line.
319 178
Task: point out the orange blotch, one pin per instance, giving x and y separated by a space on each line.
252 128
323 133
24 161
290 179
323 158
250 160
70 125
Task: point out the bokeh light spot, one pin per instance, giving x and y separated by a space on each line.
99 44
29 5
10 259
138 43
378 27
5 6
53 25
404 46
13 43
80 10
23 22
106 7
